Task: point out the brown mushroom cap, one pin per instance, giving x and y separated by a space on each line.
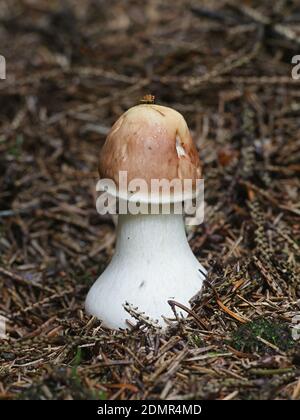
150 142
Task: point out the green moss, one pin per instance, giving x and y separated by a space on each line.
62 383
76 363
85 278
16 149
101 395
276 333
196 340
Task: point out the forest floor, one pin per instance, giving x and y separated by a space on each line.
71 71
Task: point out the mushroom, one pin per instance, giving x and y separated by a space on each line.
153 262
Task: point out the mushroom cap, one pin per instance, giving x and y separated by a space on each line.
150 142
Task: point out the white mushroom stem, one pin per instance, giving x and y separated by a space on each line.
152 263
